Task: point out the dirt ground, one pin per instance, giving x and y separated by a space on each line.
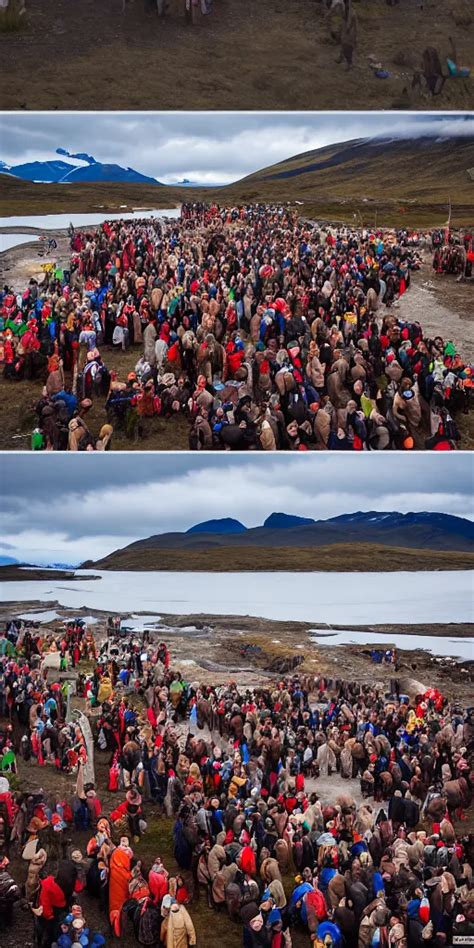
443 307
246 55
440 304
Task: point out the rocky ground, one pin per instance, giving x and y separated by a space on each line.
250 650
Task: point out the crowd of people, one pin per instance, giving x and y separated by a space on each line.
237 770
265 331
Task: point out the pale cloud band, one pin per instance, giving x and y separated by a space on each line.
68 509
208 148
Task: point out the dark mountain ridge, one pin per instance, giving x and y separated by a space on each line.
283 521
411 531
224 526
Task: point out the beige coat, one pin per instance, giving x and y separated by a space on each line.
407 412
267 437
322 428
180 932
33 878
315 372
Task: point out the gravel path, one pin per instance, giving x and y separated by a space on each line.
442 306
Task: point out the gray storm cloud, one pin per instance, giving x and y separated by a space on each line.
69 506
207 148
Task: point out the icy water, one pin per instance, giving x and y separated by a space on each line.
337 598
459 648
55 221
7 241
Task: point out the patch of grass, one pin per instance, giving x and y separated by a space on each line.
201 69
15 782
17 417
111 197
13 18
214 929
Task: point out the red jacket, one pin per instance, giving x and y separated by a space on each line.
51 897
158 884
120 811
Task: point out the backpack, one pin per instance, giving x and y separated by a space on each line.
317 901
86 440
442 857
149 924
130 717
430 856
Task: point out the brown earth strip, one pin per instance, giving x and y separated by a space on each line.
246 55
353 558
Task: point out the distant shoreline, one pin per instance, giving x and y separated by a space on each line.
230 624
334 558
337 557
14 573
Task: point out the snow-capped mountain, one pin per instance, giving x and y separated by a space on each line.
73 169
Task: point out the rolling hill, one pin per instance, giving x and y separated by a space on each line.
392 176
396 182
414 541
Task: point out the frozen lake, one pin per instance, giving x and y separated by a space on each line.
55 221
339 598
438 645
14 240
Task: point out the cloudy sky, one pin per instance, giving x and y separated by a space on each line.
65 508
206 148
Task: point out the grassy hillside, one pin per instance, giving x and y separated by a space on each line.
404 168
393 183
389 183
342 556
